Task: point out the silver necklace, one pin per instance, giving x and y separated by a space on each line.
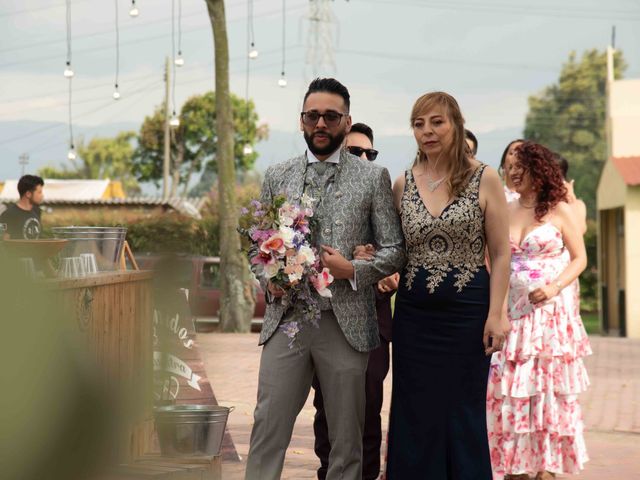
433 185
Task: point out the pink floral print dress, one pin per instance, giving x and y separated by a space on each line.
533 415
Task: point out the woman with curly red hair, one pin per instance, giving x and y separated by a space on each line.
533 415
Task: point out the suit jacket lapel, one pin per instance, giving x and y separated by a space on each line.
343 171
296 180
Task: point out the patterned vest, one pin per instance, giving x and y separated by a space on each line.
318 184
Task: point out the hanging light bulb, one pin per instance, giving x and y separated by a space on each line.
116 93
179 61
253 53
68 71
175 121
247 149
71 154
283 81
134 12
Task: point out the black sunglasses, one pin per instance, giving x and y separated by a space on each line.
331 118
358 151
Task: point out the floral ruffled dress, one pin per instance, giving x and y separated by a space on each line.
533 414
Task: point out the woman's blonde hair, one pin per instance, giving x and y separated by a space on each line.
458 151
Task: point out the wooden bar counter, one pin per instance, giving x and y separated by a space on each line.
113 312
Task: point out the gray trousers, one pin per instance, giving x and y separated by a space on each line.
283 387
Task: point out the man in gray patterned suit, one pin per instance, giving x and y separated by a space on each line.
353 207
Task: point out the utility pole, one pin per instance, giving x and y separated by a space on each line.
23 161
167 134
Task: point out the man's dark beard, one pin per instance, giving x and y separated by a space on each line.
334 143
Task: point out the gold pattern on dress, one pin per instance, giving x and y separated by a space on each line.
453 240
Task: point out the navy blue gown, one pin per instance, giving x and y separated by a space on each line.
438 427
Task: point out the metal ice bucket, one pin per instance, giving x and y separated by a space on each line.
105 243
191 430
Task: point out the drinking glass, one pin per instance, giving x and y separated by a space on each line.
90 264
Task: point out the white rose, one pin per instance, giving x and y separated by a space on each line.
272 270
295 277
306 255
287 234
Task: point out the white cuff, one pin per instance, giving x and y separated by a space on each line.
352 281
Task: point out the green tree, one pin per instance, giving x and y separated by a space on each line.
569 117
194 143
101 158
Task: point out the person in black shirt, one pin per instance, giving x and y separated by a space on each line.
23 218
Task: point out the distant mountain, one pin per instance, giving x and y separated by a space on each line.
47 144
396 152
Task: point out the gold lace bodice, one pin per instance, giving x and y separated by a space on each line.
455 240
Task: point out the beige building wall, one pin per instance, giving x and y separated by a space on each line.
632 264
624 109
612 193
612 190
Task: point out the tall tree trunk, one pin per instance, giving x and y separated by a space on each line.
237 301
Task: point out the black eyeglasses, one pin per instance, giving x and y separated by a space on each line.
358 151
331 118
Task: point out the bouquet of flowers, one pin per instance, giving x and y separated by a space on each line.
279 238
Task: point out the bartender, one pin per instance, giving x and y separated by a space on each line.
23 217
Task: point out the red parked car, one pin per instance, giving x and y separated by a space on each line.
201 275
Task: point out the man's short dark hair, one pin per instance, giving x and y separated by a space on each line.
329 85
562 163
469 134
28 183
363 129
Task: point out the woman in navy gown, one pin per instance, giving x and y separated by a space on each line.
449 311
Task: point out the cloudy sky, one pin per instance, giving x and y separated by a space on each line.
491 55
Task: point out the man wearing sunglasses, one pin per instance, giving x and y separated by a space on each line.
359 142
353 205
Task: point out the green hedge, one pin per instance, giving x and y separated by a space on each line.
177 234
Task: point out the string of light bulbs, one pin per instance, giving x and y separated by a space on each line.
179 61
282 82
133 11
247 149
69 73
174 121
116 92
253 52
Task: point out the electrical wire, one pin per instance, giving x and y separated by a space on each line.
203 78
173 57
509 9
116 94
70 79
284 36
179 27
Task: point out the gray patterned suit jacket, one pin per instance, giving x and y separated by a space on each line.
360 210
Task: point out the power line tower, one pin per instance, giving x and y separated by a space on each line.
23 160
321 39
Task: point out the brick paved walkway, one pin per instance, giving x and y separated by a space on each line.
611 406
